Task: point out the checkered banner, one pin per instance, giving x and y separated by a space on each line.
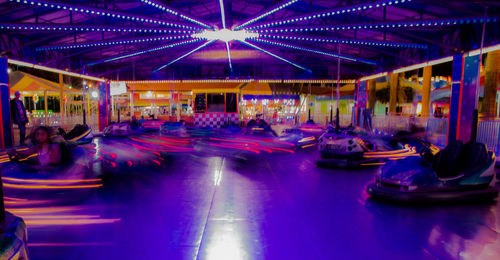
214 120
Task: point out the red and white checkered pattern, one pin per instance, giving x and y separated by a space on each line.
214 120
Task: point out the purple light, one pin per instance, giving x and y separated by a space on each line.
344 41
84 28
279 44
174 12
144 52
276 56
272 11
112 42
420 24
323 14
184 55
100 12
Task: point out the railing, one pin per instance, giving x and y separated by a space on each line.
55 120
487 133
324 118
436 131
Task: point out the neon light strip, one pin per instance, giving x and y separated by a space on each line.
114 42
345 41
346 10
31 65
100 12
184 56
272 11
222 15
279 44
174 12
144 52
84 28
276 56
239 81
425 64
389 25
383 74
229 57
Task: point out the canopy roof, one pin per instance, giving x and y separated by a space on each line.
152 39
24 82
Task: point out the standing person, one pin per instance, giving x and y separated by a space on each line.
19 117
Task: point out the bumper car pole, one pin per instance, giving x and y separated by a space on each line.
337 124
309 105
475 115
2 204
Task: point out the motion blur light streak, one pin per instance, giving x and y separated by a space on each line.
48 187
70 244
50 181
65 222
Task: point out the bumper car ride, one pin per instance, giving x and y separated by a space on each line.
457 173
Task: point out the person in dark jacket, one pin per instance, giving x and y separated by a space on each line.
19 117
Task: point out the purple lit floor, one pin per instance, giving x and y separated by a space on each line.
267 207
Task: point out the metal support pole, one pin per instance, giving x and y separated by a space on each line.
331 104
337 124
118 100
2 205
475 114
45 107
84 113
309 105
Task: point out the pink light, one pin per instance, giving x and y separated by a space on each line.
236 147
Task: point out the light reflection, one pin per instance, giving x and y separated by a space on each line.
226 245
218 173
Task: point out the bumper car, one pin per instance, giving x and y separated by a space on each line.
355 148
118 130
457 173
66 182
303 136
80 134
150 125
174 129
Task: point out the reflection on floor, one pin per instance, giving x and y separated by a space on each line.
277 206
